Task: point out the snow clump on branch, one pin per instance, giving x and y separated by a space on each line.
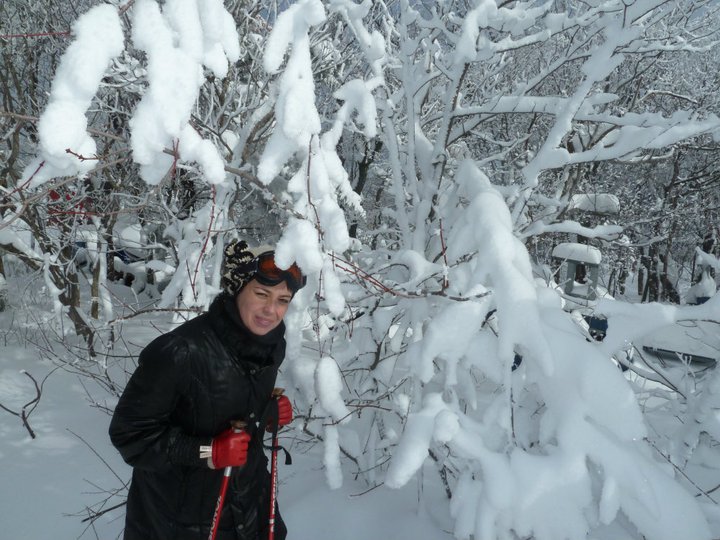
66 148
178 40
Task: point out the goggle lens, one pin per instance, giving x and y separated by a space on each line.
267 270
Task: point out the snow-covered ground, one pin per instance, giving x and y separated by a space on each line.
52 483
48 483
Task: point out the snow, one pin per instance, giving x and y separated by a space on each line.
176 45
448 340
10 237
63 125
71 466
698 338
542 495
329 386
606 232
705 288
297 117
331 457
706 259
563 446
601 203
178 41
631 322
412 451
488 226
571 251
372 43
357 95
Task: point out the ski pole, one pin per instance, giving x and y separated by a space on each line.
277 392
227 472
220 503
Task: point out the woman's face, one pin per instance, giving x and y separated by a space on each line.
262 307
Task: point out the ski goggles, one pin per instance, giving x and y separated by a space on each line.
267 273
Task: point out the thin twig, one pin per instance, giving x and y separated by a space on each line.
96 514
679 470
98 455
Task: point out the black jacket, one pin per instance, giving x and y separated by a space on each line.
189 384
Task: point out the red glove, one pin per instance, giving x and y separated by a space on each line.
229 449
285 414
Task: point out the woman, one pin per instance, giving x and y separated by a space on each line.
190 386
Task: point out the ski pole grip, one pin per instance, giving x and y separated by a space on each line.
238 426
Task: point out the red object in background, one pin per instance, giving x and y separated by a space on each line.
61 204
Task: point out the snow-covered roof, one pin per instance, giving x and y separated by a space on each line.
577 252
600 203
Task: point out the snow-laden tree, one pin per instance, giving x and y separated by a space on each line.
488 119
665 211
100 103
452 136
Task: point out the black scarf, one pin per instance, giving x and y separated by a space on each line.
227 322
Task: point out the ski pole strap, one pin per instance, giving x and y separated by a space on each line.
270 418
275 448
